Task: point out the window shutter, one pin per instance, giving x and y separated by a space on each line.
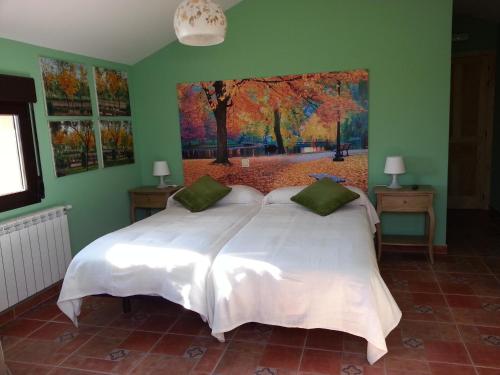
17 89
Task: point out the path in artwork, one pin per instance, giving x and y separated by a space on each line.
270 172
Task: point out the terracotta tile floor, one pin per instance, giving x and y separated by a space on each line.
450 326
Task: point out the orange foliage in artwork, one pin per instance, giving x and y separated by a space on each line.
68 82
253 101
289 126
268 173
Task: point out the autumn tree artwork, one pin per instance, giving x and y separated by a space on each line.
112 92
66 87
117 142
276 131
74 147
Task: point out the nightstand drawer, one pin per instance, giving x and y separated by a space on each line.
401 203
150 200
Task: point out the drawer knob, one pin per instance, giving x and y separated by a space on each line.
405 201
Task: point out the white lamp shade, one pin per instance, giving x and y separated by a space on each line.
200 23
160 168
394 165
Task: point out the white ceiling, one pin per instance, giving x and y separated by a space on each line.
123 31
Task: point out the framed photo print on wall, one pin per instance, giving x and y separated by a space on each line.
112 92
117 142
74 146
66 88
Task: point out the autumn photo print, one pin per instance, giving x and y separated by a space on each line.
74 148
277 131
66 88
112 92
117 142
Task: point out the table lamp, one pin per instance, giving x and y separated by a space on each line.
394 165
160 169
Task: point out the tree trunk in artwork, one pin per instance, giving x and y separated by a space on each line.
220 113
87 151
277 132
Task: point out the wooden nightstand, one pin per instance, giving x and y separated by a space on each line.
149 197
406 200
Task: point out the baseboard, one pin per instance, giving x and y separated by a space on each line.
438 249
29 303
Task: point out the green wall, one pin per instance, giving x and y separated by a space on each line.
99 198
405 44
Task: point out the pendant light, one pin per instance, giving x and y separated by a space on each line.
200 23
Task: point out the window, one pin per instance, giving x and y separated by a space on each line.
20 174
11 156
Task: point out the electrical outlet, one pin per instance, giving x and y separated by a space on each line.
245 163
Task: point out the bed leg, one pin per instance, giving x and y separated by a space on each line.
126 305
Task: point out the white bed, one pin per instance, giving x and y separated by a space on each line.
168 254
290 267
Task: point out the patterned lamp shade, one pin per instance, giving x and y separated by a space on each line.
200 23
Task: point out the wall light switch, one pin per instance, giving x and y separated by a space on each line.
245 163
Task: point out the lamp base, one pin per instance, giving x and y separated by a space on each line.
394 184
162 185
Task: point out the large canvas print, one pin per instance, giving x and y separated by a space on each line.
112 92
66 87
276 131
73 143
117 142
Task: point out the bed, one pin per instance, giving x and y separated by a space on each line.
168 254
290 267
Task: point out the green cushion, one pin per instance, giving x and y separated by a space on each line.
324 196
202 193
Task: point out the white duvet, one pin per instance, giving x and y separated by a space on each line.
290 267
168 255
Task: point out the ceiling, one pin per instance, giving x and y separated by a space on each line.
123 31
485 9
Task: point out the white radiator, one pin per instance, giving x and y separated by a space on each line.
34 253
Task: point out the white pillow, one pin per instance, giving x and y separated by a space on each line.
171 202
282 195
240 194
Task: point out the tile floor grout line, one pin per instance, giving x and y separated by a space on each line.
100 329
5 350
55 367
452 323
488 367
448 294
22 338
79 347
456 324
228 342
36 330
304 349
29 363
154 345
79 369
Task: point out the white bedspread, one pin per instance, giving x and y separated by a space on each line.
293 268
168 254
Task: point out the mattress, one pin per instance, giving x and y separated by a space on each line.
168 254
290 267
